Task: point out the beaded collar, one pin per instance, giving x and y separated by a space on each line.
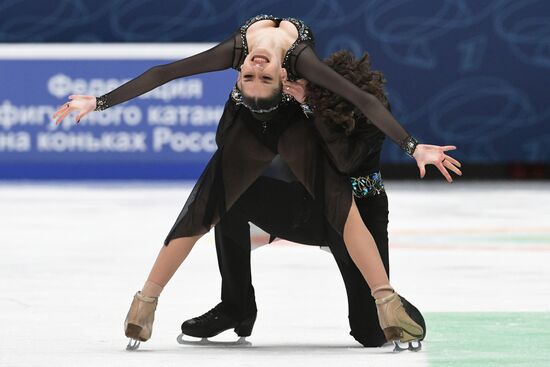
304 34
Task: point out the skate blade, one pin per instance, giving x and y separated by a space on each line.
410 346
133 344
205 342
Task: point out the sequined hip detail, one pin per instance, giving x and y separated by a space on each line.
367 186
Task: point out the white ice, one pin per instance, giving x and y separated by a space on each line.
73 254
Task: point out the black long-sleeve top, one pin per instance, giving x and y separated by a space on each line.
300 62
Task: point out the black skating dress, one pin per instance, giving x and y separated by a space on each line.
246 146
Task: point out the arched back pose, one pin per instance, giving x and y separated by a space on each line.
281 207
261 49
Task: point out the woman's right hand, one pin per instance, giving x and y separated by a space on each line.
81 103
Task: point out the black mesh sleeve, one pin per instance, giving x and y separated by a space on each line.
220 57
308 66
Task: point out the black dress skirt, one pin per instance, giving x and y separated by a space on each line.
246 147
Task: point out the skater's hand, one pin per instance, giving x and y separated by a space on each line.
433 154
81 103
296 89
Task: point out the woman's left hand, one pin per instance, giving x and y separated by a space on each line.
296 89
434 154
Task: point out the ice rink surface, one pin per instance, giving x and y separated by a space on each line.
474 257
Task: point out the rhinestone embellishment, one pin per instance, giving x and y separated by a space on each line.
409 145
307 110
366 186
101 103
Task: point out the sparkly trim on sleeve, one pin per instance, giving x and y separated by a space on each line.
101 103
409 145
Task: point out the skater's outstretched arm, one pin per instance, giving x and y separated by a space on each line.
220 57
314 70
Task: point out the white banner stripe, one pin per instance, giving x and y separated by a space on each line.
100 51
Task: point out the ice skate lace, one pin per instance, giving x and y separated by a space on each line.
213 313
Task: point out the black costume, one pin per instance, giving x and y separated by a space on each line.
282 207
246 149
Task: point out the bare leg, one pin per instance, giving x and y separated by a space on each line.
394 320
138 325
364 253
168 261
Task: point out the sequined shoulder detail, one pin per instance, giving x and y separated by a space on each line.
304 34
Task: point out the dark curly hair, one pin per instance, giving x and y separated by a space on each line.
337 110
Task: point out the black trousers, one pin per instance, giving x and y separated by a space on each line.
284 209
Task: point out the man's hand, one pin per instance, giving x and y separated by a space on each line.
296 89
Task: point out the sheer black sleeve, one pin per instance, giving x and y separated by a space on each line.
308 66
222 56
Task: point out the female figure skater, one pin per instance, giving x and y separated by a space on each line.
268 51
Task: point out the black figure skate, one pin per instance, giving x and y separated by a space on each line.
213 323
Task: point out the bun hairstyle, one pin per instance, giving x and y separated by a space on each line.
337 110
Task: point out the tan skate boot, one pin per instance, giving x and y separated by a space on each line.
397 325
138 325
